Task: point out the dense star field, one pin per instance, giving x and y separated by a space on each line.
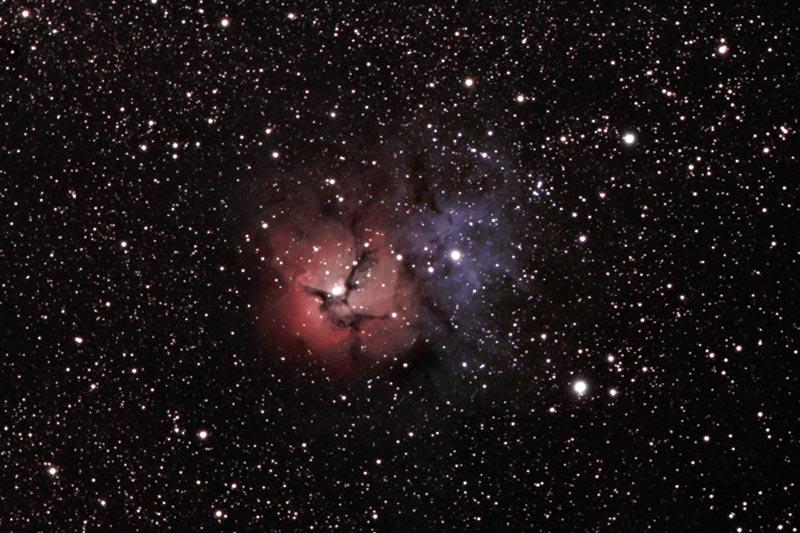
387 266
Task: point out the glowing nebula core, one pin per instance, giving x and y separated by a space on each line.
339 294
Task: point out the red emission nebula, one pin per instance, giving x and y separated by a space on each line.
336 291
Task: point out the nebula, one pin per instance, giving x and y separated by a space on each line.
360 271
338 292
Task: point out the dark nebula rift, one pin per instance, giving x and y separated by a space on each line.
359 272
